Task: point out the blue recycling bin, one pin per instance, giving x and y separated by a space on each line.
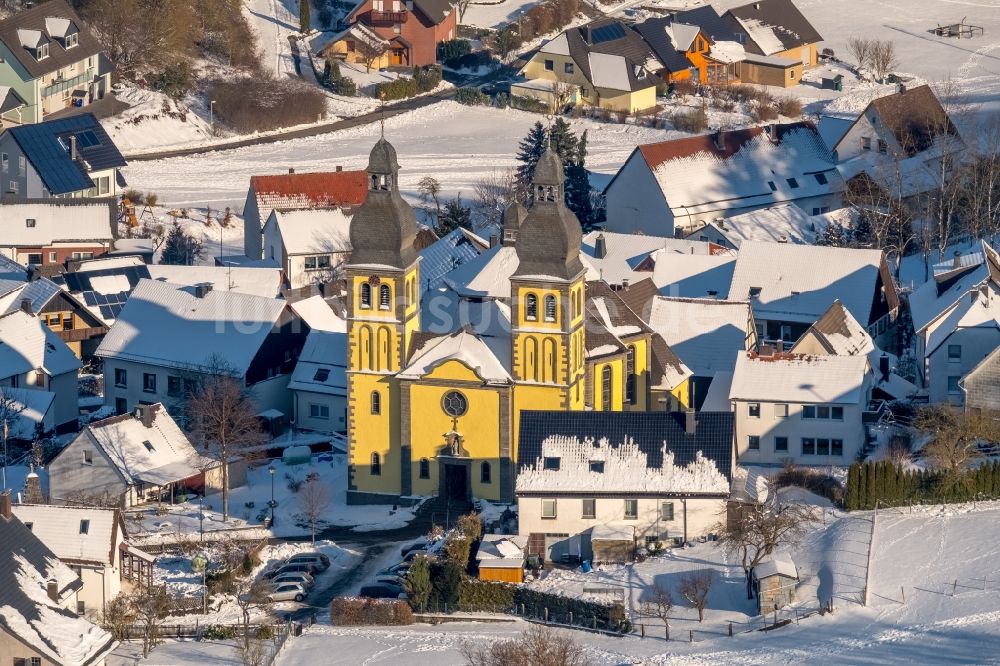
586 566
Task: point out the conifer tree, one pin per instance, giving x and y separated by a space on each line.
529 151
453 216
305 19
869 485
179 248
851 501
564 142
578 185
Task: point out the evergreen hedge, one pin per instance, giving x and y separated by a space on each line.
890 485
494 597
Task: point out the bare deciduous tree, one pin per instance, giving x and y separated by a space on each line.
695 586
369 52
252 652
956 435
758 529
860 49
117 617
249 593
313 500
495 192
429 188
537 646
10 412
883 58
659 604
151 605
223 419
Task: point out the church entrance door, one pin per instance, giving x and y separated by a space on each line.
456 482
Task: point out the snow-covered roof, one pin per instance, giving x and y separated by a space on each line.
496 548
762 34
446 254
704 333
318 314
777 564
558 45
977 308
840 333
27 344
609 71
39 292
833 128
159 454
799 378
487 356
624 253
256 281
682 34
10 270
57 26
799 282
727 52
694 275
623 468
160 321
59 529
31 406
717 397
933 298
323 231
784 223
42 224
488 275
322 365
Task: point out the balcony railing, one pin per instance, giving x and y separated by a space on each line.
66 84
388 18
874 412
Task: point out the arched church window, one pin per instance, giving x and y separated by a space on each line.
531 307
376 465
425 468
384 297
376 402
366 295
550 308
485 473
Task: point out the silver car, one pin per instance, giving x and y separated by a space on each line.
302 578
287 592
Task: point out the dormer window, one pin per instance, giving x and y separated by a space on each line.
72 40
149 446
41 52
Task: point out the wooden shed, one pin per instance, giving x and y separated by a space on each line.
501 558
774 580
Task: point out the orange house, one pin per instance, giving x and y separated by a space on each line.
685 42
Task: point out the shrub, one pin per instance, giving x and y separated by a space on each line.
528 104
344 85
152 198
685 87
494 597
174 81
813 481
264 632
473 60
693 121
400 88
789 107
472 97
261 104
762 113
135 196
427 78
347 612
219 632
446 581
453 48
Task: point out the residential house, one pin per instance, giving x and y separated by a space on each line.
130 459
65 316
776 37
356 44
167 337
791 286
809 409
784 223
70 157
11 107
623 259
55 231
608 62
705 334
695 44
693 275
89 540
51 60
981 385
500 558
12 271
956 319
413 29
33 358
319 382
39 619
308 245
686 183
655 476
293 191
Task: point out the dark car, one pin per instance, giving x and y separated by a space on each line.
291 568
381 591
494 88
409 548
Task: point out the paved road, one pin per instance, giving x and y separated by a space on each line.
388 111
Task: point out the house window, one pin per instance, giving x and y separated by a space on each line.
319 411
550 65
376 465
149 446
666 510
786 332
589 508
792 183
883 147
631 509
550 463
72 40
953 386
425 468
30 223
88 457
366 295
84 526
837 413
173 385
397 28
121 378
22 165
780 443
954 352
315 262
321 375
568 68
148 382
376 402
822 447
836 447
384 297
28 525
485 473
550 308
822 412
42 52
4 162
816 211
808 446
531 307
597 466
548 508
774 188
15 187
81 607
121 406
791 74
753 442
104 185
454 403
866 143
753 410
606 388
781 410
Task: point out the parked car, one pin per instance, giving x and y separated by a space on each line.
382 591
287 592
318 560
410 556
381 579
303 579
300 567
400 569
416 545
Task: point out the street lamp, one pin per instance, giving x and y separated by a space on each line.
211 114
272 504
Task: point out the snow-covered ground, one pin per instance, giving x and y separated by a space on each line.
495 13
274 21
154 120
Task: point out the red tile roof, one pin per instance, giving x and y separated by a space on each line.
656 154
323 189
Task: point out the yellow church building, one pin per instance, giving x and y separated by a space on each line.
437 381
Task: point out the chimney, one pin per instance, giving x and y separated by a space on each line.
690 423
600 247
5 511
625 284
72 147
717 140
201 290
956 260
291 170
145 414
883 367
26 305
33 488
494 240
53 590
339 168
779 347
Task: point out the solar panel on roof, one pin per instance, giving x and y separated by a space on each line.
89 298
607 33
87 139
106 312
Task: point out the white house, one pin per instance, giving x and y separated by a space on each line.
785 223
33 358
791 286
134 458
89 540
168 336
319 382
623 259
956 318
309 245
808 409
687 183
54 231
669 483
